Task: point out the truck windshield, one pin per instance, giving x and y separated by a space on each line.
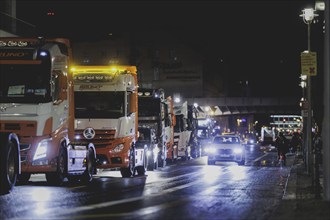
179 126
202 133
144 135
149 106
99 104
25 83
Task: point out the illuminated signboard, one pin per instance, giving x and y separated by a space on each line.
93 77
16 50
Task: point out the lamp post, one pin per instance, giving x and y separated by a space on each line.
308 17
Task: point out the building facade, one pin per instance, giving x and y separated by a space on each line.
162 60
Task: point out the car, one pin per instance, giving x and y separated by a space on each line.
250 139
225 148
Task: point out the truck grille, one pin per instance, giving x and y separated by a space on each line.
225 151
12 126
176 139
102 138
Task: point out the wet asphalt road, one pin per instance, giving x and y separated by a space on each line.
184 190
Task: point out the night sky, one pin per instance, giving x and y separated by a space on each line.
255 41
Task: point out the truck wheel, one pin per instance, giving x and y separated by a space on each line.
130 170
241 163
90 167
194 153
57 178
161 161
151 164
141 170
9 167
170 160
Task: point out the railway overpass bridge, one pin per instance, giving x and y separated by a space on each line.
248 114
248 105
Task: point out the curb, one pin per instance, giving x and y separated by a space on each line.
291 182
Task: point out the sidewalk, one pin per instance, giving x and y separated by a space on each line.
301 200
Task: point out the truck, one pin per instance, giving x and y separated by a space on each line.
204 129
37 112
148 139
155 113
194 140
106 103
267 135
172 148
181 131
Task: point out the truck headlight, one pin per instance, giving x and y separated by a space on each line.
155 151
210 150
238 150
41 151
117 149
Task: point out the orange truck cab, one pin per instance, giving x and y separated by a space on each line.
36 105
106 113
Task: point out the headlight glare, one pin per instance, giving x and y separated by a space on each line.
210 150
41 151
238 150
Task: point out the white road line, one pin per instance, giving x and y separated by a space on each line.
141 212
255 160
112 203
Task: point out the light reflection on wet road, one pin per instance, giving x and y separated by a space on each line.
185 190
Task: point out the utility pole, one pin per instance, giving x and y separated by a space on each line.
326 118
308 17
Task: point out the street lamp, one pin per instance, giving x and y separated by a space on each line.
308 16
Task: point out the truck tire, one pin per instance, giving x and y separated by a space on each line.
151 164
241 163
170 160
57 178
161 159
141 170
9 165
130 170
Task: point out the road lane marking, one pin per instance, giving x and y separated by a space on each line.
128 200
136 213
122 201
259 158
193 174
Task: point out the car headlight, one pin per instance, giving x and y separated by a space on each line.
238 150
41 151
117 149
210 150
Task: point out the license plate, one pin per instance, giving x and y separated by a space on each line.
224 155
